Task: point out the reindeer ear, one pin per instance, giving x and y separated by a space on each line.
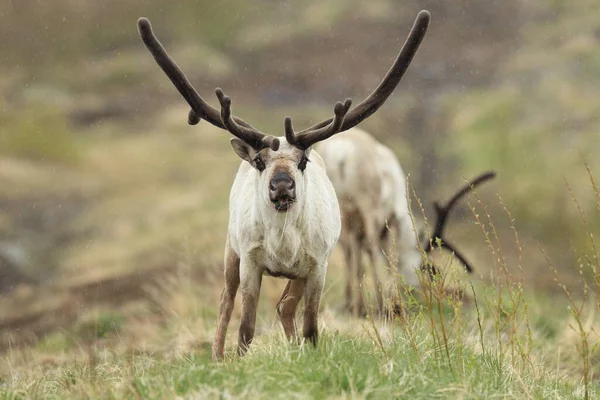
243 149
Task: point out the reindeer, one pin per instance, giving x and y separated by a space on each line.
371 189
284 217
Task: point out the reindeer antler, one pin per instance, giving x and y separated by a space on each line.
200 108
375 100
343 120
442 213
304 140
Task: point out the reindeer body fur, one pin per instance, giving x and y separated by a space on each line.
371 188
262 241
290 244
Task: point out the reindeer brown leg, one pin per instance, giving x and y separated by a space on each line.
373 251
232 282
251 279
346 242
390 243
348 260
312 299
286 307
358 304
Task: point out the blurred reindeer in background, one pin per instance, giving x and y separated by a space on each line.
371 189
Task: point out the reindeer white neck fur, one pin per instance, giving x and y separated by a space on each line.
308 230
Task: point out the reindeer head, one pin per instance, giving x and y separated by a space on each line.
282 164
437 239
280 175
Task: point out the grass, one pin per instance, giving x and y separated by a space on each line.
504 342
343 364
40 133
347 363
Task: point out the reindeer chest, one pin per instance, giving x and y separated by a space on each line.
285 253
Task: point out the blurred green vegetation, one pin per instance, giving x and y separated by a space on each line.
103 324
38 132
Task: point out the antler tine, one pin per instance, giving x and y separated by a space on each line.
177 77
193 118
288 127
470 186
305 139
252 137
200 108
442 213
458 255
393 77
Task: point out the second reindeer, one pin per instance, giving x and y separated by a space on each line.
371 189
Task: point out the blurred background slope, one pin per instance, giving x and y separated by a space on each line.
104 185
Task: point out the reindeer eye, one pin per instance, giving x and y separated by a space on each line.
302 163
259 164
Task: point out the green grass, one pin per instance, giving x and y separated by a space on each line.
38 132
344 365
441 349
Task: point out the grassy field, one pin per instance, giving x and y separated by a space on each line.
517 346
346 365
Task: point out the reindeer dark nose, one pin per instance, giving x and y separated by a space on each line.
282 191
282 182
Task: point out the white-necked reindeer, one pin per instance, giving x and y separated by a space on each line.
371 189
284 218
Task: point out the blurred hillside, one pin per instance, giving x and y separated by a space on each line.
102 176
